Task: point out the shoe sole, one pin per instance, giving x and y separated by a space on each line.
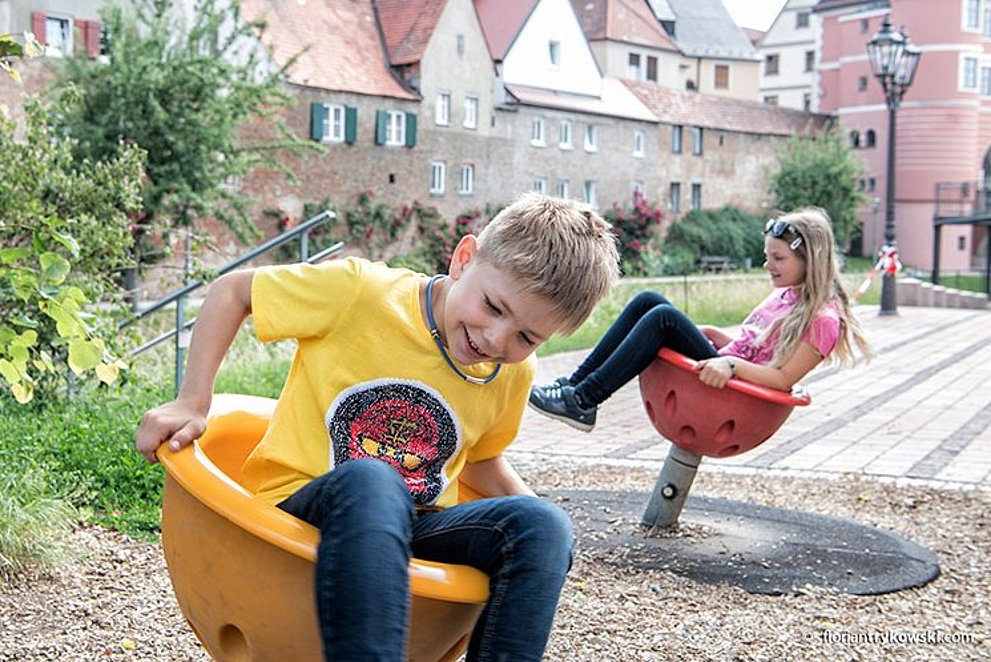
584 427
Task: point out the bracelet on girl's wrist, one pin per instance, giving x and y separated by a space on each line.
732 366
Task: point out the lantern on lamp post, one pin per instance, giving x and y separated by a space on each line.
894 60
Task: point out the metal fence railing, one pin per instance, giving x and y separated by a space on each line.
180 332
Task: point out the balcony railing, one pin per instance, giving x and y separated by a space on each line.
962 199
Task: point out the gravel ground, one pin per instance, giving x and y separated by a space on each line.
116 600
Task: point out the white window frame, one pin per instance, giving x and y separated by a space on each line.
801 24
589 194
987 20
538 132
985 80
540 185
438 177
969 73
674 197
968 24
334 123
471 112
395 132
696 196
639 143
633 71
698 141
563 189
566 134
467 184
591 138
63 44
442 111
677 138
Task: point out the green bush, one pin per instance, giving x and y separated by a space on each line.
64 236
727 231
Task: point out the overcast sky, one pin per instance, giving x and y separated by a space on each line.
758 14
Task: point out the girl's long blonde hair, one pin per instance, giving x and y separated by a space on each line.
821 286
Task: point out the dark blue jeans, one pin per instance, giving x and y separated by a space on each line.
368 531
648 323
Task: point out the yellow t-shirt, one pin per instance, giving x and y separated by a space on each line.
367 380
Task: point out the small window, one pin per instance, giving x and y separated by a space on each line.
771 64
58 36
639 142
696 196
633 66
459 44
537 130
870 138
970 73
987 22
554 52
697 140
565 135
986 81
802 19
674 197
862 84
637 190
771 99
961 243
972 15
807 101
588 193
540 185
438 173
395 133
591 138
865 25
871 184
861 185
442 112
333 123
652 68
854 139
810 60
721 77
563 189
467 179
471 112
676 131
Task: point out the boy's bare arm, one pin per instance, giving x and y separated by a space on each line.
183 420
494 477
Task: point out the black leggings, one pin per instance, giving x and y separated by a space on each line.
648 323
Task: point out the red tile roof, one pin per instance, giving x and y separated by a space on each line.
344 50
407 26
708 111
629 21
501 21
755 36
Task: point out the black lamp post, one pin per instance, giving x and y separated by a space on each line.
894 60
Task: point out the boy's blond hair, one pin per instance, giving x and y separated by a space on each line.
559 249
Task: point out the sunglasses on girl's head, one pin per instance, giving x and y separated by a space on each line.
778 228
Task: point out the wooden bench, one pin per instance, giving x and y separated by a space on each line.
715 263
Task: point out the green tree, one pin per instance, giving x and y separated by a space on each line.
820 171
64 235
183 83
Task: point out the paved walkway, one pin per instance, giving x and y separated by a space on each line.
921 410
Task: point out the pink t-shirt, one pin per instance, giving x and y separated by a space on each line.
823 335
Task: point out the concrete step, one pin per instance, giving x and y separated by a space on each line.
915 292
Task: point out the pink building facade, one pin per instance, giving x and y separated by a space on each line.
943 126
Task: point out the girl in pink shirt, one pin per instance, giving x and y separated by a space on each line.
806 319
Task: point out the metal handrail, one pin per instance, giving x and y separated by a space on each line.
261 249
157 340
182 325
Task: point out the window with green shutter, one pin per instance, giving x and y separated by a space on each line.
318 118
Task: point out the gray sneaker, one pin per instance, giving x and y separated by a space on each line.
558 402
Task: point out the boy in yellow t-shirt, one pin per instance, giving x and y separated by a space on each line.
400 385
